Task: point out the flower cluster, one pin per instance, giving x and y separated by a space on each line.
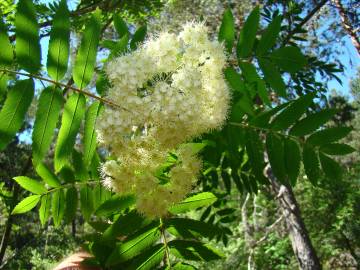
170 90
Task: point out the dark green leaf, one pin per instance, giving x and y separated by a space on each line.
58 54
47 175
227 30
13 112
115 205
311 164
312 122
139 36
74 111
292 160
183 266
292 113
149 259
268 38
31 185
86 56
289 58
120 47
337 149
26 204
134 245
87 201
273 77
58 206
80 170
193 250
44 210
248 34
27 45
193 202
101 194
275 150
6 55
331 168
328 135
48 110
71 204
120 26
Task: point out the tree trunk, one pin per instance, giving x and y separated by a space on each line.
347 25
299 237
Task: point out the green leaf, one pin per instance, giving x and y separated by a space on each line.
44 210
138 37
331 168
268 38
115 205
183 266
58 54
48 110
227 181
89 132
193 250
120 47
149 259
86 56
134 245
13 112
47 175
227 30
312 122
193 202
28 52
26 204
74 111
4 78
58 206
101 194
190 228
328 135
80 170
120 26
263 118
71 200
292 160
337 149
87 201
248 34
311 164
31 185
289 58
7 55
275 150
273 77
292 113
102 84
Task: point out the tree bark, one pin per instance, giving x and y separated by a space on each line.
347 24
299 237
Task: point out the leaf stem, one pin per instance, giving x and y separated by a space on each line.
167 253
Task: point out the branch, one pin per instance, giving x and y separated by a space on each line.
167 254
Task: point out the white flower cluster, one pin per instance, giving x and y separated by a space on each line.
170 90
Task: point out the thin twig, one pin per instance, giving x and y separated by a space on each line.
167 254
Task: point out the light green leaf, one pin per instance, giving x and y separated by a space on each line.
273 77
289 58
120 47
74 111
331 168
13 112
227 30
71 204
58 206
268 38
87 201
184 266
193 250
44 210
47 114
248 34
275 150
89 132
86 56
27 45
120 26
292 113
292 160
115 205
337 149
26 204
328 135
193 202
312 122
6 55
31 185
149 259
58 54
138 37
311 164
47 175
134 245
